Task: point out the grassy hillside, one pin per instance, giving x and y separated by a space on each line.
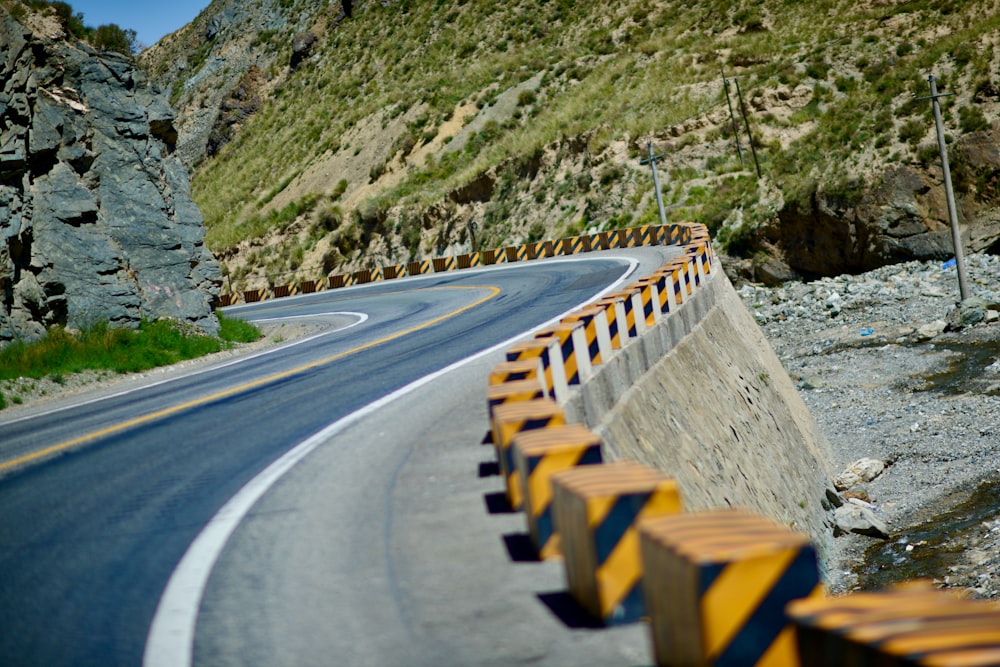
414 116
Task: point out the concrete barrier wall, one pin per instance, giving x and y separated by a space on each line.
702 397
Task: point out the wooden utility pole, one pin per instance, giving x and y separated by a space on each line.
732 117
746 119
651 161
949 195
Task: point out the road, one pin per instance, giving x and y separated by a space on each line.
377 548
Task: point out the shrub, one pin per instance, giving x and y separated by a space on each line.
912 131
971 119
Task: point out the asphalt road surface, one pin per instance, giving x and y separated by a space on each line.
326 503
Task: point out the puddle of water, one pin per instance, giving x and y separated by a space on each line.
967 368
937 542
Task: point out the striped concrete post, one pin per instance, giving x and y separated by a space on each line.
575 354
597 510
537 455
635 324
515 390
717 583
614 310
444 264
548 351
521 369
650 298
596 330
510 419
912 624
254 295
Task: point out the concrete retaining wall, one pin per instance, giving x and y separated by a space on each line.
703 397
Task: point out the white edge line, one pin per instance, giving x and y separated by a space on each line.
170 642
362 317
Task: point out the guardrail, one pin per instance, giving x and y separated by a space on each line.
571 245
718 587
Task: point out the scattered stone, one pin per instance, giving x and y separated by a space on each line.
855 517
774 272
859 472
302 46
833 498
930 330
858 493
969 312
812 383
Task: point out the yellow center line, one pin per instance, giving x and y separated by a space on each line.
166 412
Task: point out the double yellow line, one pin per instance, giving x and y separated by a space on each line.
167 412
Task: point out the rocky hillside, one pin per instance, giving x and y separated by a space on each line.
96 218
330 135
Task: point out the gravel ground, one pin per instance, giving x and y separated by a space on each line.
923 402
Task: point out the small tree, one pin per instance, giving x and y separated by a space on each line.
112 37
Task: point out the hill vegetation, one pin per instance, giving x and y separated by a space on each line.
106 37
406 119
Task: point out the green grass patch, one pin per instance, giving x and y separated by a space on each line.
102 347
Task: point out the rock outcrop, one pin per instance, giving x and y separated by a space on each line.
900 216
96 218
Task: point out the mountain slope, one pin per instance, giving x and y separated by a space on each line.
402 121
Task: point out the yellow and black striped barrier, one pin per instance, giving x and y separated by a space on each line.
717 583
544 249
254 295
546 350
614 309
537 455
596 331
680 234
494 256
282 291
364 276
573 346
509 419
516 253
393 271
573 245
521 369
913 624
633 324
677 234
418 268
597 511
650 298
676 275
512 391
444 264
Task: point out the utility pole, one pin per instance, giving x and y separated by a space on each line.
949 195
732 117
651 161
746 119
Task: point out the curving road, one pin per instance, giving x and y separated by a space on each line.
378 548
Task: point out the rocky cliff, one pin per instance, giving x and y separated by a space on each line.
96 218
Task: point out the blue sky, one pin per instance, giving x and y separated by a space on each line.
151 20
